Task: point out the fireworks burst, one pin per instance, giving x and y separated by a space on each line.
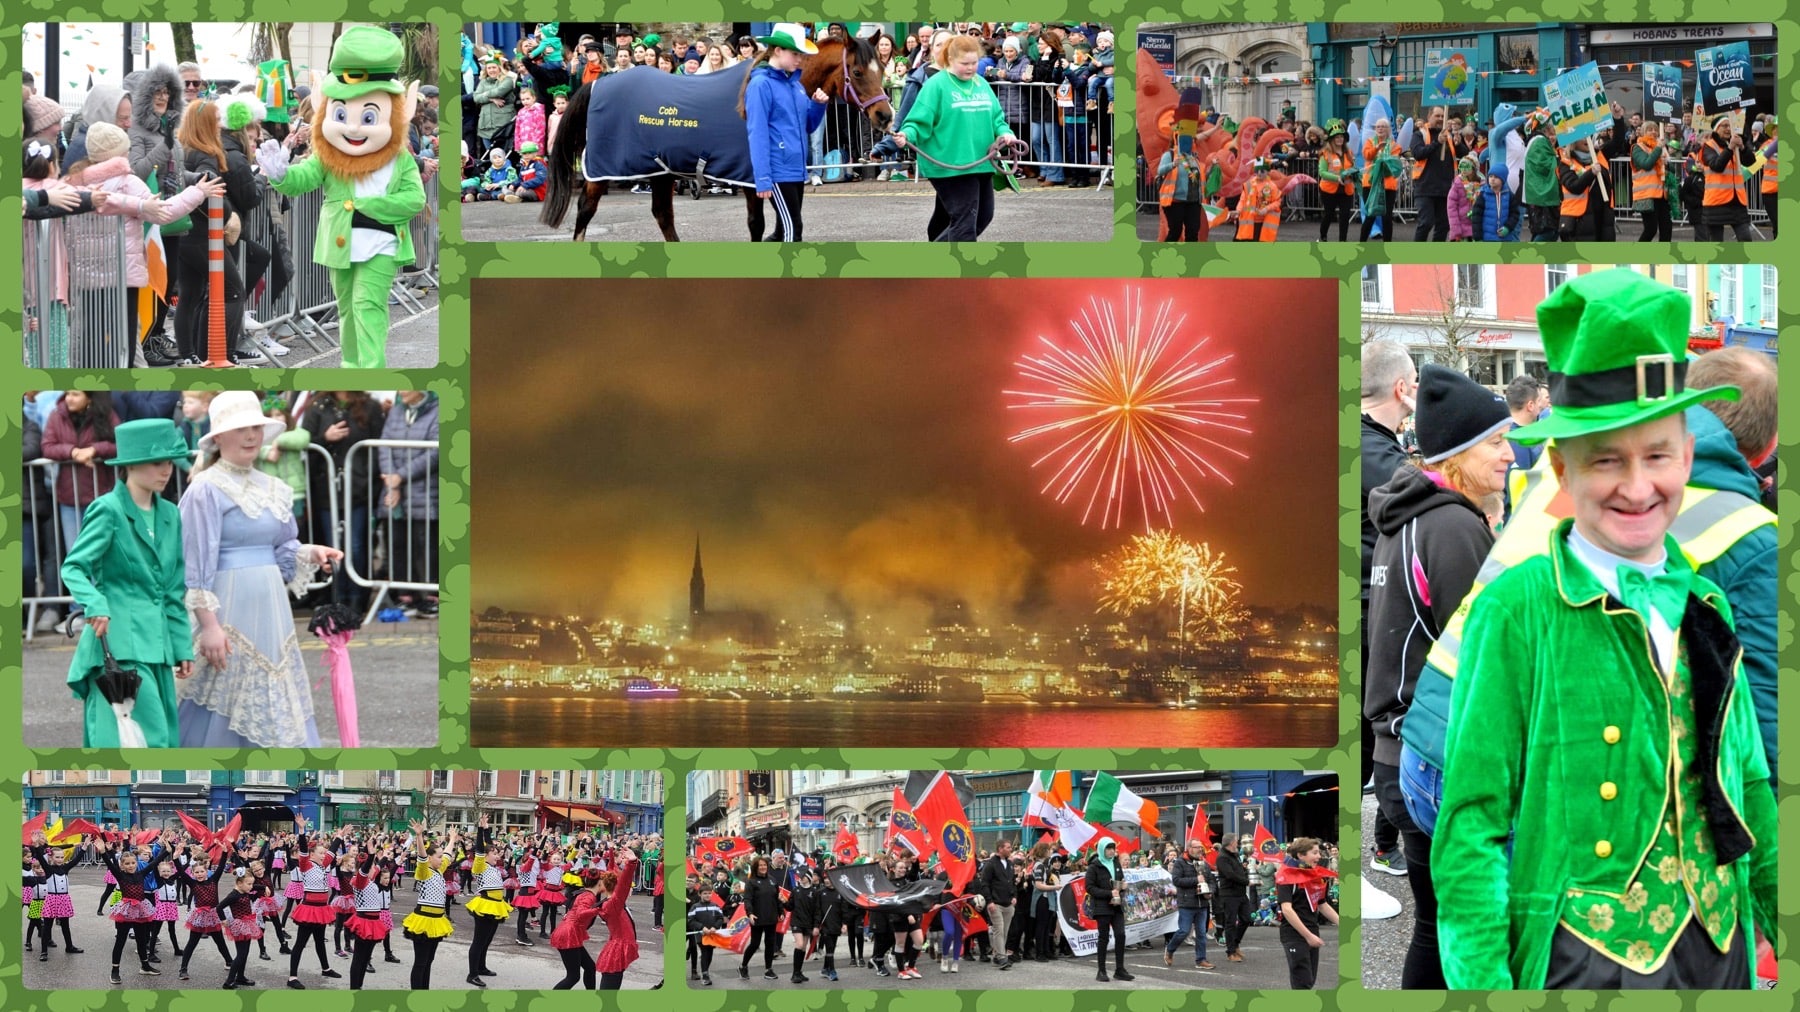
1163 568
1131 411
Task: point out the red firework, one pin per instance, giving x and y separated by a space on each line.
1131 412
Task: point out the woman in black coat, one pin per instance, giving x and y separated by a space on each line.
205 152
762 898
1106 905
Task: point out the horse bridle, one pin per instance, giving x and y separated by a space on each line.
862 105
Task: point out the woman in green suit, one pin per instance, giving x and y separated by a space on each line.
127 574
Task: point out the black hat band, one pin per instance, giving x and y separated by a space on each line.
1652 378
361 77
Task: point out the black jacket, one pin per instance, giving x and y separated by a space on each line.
1424 529
1381 457
1234 878
1440 165
803 903
1188 876
703 913
995 883
1100 887
762 899
241 193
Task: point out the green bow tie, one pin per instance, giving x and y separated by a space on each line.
1666 593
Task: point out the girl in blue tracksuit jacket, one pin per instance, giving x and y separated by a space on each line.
779 117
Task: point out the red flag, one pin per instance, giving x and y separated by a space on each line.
903 826
36 824
1201 830
196 829
728 846
227 837
942 815
715 900
736 935
972 922
692 872
1263 843
146 836
845 847
81 827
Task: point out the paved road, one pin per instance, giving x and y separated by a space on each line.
1384 942
520 968
1264 968
396 687
412 339
1308 231
840 212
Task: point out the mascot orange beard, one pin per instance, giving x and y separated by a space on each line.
371 132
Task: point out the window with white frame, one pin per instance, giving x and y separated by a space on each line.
387 780
266 778
1554 276
1475 289
527 780
1374 292
59 776
100 777
202 777
557 783
1770 300
331 778
1682 277
1731 291
149 776
586 787
487 782
440 780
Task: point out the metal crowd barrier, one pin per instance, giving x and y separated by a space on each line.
425 237
75 309
260 226
410 540
50 545
315 305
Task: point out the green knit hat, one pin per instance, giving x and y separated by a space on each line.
148 441
1617 348
365 59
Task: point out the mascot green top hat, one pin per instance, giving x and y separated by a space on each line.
365 59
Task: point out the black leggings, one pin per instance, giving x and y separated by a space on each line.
218 938
1112 925
1337 208
578 965
238 961
1386 219
174 943
964 208
759 934
105 895
856 943
549 914
1302 959
44 930
122 929
612 981
524 920
656 910
424 951
362 954
316 932
484 937
1046 933
275 925
1657 227
785 201
1183 217
1424 966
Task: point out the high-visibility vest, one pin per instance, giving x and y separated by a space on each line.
1370 148
1165 193
1709 524
1723 187
1418 166
1342 165
1574 205
1647 184
1771 173
1261 202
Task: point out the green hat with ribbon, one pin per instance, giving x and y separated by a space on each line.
148 441
789 35
1616 342
365 59
1333 127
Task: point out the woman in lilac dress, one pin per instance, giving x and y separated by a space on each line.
248 687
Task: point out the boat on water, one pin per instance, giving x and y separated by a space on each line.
644 688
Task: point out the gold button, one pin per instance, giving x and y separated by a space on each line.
1611 734
340 241
1603 848
349 205
1609 791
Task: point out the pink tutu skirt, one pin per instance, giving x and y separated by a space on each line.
343 905
203 921
132 912
280 864
294 890
58 905
451 888
267 906
510 883
110 880
368 928
243 929
387 921
25 895
166 910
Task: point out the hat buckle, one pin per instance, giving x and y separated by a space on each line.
1667 361
353 76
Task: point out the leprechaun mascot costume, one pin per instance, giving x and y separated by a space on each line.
1607 819
372 187
127 572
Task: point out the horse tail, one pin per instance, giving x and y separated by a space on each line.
565 158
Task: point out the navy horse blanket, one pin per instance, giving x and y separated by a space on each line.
643 122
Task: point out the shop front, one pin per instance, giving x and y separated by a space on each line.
1356 59
1621 51
770 831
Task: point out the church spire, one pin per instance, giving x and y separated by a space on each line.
697 584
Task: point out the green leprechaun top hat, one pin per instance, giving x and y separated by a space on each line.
1617 347
365 59
148 440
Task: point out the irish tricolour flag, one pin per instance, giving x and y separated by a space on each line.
1110 801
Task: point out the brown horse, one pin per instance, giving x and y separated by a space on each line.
842 70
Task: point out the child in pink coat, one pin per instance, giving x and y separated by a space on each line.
1461 198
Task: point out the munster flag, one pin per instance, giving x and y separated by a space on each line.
904 827
1264 844
735 936
971 920
941 813
845 848
1201 830
728 846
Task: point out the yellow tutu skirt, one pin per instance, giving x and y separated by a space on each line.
481 906
429 927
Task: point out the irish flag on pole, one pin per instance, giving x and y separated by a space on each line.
1110 801
1049 791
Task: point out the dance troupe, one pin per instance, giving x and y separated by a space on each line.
342 881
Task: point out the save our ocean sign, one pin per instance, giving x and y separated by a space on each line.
1577 103
1724 73
1662 93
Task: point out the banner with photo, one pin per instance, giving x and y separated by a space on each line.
1147 897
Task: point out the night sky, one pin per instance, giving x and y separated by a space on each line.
846 440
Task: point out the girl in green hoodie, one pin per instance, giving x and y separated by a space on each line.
958 118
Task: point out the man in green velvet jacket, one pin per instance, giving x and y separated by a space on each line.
1607 819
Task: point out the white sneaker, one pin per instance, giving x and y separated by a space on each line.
882 176
71 626
47 618
270 345
943 966
816 180
251 324
956 966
